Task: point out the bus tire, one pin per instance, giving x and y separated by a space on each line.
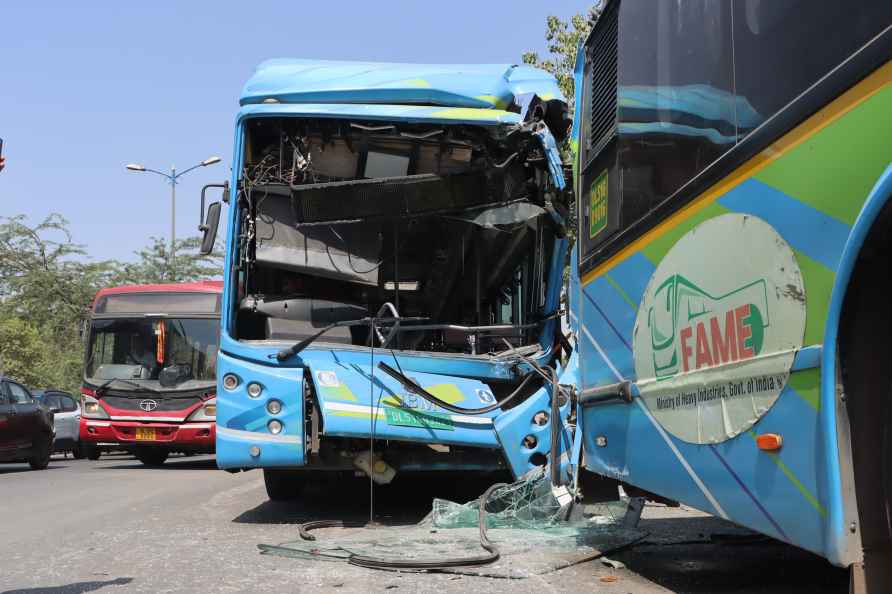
153 457
282 485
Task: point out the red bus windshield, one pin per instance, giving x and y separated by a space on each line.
165 352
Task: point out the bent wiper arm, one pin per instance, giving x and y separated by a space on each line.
298 347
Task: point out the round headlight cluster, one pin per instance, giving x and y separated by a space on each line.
230 382
275 427
254 390
274 407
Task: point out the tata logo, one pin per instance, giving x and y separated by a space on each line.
148 405
691 329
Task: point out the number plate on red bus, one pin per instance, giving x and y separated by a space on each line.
145 433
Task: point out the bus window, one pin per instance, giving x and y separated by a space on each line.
676 100
775 56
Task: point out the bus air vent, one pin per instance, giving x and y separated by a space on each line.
601 75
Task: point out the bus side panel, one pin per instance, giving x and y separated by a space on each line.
809 187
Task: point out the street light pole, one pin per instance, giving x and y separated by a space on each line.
173 221
172 177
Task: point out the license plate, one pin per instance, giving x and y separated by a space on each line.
145 434
426 420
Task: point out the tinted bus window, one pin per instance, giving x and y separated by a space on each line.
783 47
677 109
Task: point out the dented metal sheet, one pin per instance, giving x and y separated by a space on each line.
483 86
355 403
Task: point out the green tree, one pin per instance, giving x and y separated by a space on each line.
153 264
563 39
47 283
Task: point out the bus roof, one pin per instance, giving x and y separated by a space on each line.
479 86
191 287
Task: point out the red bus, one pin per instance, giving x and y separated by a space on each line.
150 370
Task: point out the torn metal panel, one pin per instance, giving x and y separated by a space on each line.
455 85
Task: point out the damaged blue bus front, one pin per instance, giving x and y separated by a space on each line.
394 261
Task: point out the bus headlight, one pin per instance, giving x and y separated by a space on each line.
230 382
92 408
207 412
275 427
274 407
254 390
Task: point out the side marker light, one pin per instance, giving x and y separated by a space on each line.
769 442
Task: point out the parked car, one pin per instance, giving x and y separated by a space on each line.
66 416
26 428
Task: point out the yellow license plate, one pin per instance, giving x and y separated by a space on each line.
145 434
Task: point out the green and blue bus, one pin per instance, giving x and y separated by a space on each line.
730 283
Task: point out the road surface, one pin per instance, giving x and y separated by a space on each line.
115 526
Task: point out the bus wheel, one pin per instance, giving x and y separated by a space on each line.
282 485
151 456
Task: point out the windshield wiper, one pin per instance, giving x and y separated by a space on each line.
104 386
298 347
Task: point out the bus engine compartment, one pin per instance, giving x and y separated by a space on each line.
453 225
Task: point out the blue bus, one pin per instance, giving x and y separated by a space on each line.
729 283
395 249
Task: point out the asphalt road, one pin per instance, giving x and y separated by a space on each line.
116 526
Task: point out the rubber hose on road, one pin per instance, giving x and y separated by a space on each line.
492 550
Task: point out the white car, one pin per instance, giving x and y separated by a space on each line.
67 418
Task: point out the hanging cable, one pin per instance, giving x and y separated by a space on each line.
492 550
413 387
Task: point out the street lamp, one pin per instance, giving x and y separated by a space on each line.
172 177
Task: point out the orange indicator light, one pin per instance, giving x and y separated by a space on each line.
769 442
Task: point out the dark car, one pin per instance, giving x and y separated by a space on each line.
66 419
26 427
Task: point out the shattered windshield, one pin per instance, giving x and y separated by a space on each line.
457 225
165 353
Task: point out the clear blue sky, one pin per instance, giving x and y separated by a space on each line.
86 87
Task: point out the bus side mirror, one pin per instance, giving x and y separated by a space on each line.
209 228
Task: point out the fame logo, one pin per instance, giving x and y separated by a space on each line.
691 329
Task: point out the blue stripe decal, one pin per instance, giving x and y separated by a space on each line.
614 306
807 358
633 274
606 319
747 491
817 235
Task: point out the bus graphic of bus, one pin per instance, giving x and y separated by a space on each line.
691 329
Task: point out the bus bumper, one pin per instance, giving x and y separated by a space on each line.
350 413
192 437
